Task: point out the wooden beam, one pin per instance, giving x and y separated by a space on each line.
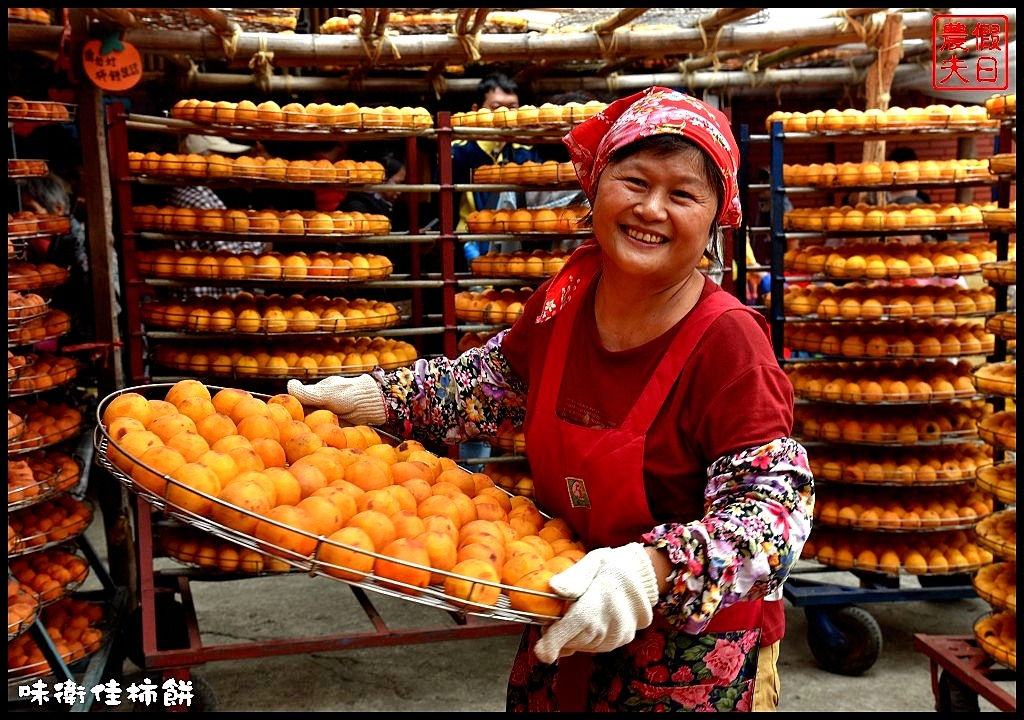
299 50
619 19
888 44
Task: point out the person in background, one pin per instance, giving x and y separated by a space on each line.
382 202
202 197
326 199
906 196
658 425
52 194
493 91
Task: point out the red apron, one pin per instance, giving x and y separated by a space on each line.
593 478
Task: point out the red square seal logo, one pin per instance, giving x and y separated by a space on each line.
970 52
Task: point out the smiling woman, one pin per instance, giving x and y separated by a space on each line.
674 353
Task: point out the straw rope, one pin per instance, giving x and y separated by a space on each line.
261 64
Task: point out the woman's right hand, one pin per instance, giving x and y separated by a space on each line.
357 400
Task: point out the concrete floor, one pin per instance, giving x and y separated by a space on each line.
469 674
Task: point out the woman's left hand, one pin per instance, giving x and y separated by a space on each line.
615 590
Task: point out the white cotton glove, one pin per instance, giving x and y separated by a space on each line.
357 400
615 590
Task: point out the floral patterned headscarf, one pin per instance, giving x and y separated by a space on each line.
654 111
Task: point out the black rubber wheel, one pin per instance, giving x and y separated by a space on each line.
844 640
954 696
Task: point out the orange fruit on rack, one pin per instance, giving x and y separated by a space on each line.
188 388
499 495
196 408
353 438
426 457
559 563
342 500
278 413
518 565
315 417
417 487
290 428
270 451
440 505
261 479
193 489
325 514
527 597
221 463
327 460
286 485
352 562
159 408
354 490
488 508
442 523
406 500
406 447
459 477
310 477
154 464
241 505
480 588
369 473
542 546
245 457
331 434
407 523
442 551
385 452
298 446
482 549
379 500
167 426
119 426
246 407
226 399
131 446
377 525
403 470
216 426
129 404
290 403
287 530
258 426
409 564
466 508
191 444
481 527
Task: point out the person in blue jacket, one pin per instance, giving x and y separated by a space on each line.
494 91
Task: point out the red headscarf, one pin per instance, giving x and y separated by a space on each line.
654 111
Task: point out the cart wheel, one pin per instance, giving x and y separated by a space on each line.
203 697
954 696
844 640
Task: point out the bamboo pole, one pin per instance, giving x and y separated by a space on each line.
298 50
878 85
741 83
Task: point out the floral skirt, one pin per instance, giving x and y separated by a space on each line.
662 670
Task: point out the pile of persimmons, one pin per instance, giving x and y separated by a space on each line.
340 500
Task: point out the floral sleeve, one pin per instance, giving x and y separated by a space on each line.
452 400
760 504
